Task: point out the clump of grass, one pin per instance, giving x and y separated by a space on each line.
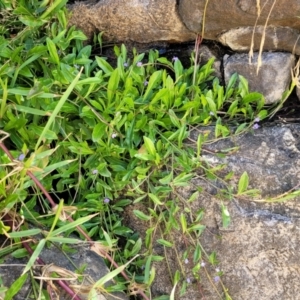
102 138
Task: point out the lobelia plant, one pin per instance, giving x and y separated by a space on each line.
103 137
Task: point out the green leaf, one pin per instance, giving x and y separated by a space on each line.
60 103
197 254
100 283
141 215
243 183
98 132
149 146
53 8
147 269
153 81
104 65
164 243
178 69
183 222
64 240
72 225
24 233
34 255
155 199
167 179
225 216
32 111
15 287
113 84
52 51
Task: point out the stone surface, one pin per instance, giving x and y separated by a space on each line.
258 251
131 20
231 22
274 38
95 268
224 16
274 74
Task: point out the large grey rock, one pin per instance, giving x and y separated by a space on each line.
272 38
274 74
79 257
142 21
230 22
237 18
258 251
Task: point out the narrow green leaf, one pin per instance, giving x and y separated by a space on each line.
34 255
243 183
153 81
64 240
55 166
141 215
197 254
104 65
149 146
72 225
54 7
225 216
32 111
164 243
52 51
60 103
155 199
183 222
147 269
110 276
113 84
24 233
15 287
167 179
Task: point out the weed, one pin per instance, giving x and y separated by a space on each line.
103 138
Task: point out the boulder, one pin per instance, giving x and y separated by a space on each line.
141 21
273 77
242 17
257 253
75 259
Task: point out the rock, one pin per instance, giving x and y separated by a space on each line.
274 75
78 255
241 16
131 20
257 251
274 38
205 53
230 22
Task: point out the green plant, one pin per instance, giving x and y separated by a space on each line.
103 138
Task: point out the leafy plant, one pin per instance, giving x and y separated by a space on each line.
104 137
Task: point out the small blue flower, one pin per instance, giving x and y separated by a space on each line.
217 278
257 119
217 270
21 157
106 200
175 58
114 135
94 172
186 261
146 83
203 264
125 64
255 126
76 66
188 280
139 64
211 113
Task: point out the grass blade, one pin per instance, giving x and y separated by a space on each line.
58 108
